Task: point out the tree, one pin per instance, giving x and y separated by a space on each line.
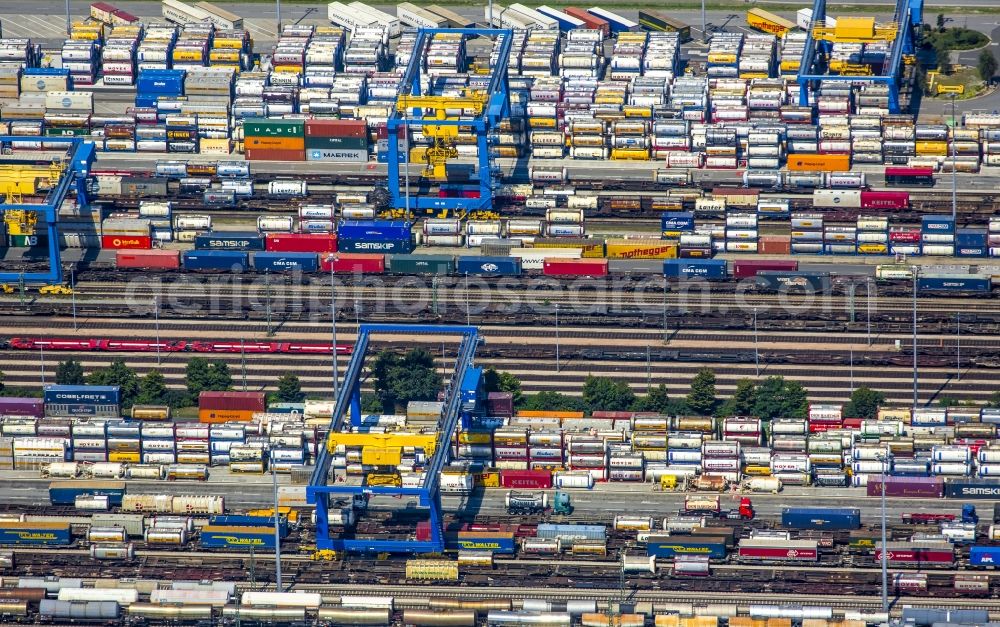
942 54
864 403
399 380
994 400
743 400
553 401
657 400
120 375
940 22
947 401
152 389
69 372
289 389
203 375
987 65
701 399
371 403
606 394
778 398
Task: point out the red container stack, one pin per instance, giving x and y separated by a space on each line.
216 407
749 269
350 263
301 242
153 259
119 242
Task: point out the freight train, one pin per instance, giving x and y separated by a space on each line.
172 346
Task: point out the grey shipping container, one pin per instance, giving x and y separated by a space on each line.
142 186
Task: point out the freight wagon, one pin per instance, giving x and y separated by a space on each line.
66 492
917 554
237 537
774 281
777 550
671 546
43 533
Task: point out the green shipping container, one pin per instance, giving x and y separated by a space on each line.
66 132
421 264
336 143
274 128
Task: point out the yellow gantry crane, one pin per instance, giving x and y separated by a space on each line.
855 30
471 104
20 180
383 450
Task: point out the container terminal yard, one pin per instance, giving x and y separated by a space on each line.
497 316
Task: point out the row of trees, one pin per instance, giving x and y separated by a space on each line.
200 375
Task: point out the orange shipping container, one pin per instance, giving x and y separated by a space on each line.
819 163
274 143
775 245
214 416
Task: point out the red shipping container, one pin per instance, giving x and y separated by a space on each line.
301 242
500 404
575 267
337 128
115 242
614 415
526 479
885 200
274 154
156 259
748 269
797 554
925 487
247 401
820 427
382 131
916 554
852 423
423 531
905 236
591 20
348 263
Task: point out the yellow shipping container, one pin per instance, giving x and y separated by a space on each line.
291 69
757 471
613 99
215 146
432 570
188 55
630 154
932 149
489 479
638 112
640 249
790 65
125 457
873 249
232 43
769 22
746 75
722 57
588 250
542 122
902 414
224 56
475 437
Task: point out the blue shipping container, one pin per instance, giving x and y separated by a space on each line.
35 533
66 495
230 241
238 538
971 237
581 532
937 224
971 251
671 546
374 230
504 543
401 246
285 262
840 518
984 556
711 269
506 266
242 520
978 283
82 394
217 260
161 82
677 221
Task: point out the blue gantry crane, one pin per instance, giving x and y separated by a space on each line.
461 399
440 117
21 177
900 34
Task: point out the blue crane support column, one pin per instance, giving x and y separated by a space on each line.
908 15
79 157
318 490
497 108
